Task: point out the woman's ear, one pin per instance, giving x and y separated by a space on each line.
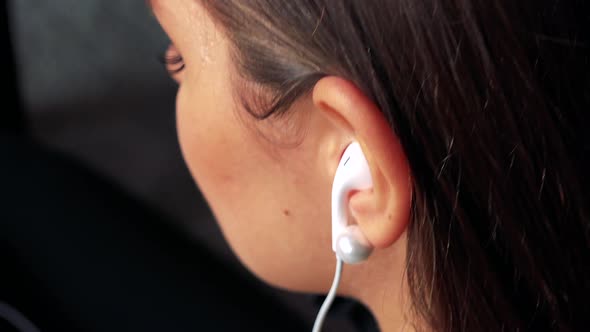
382 212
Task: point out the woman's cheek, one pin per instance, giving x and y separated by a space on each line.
207 134
180 122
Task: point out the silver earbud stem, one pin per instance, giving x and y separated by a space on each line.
351 249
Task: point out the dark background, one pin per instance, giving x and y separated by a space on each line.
91 88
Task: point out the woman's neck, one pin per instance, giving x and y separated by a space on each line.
381 284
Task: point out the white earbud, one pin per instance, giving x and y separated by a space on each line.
348 242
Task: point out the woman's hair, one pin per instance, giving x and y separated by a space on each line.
489 99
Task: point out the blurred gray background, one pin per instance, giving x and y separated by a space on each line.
94 89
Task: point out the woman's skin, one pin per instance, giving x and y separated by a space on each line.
268 182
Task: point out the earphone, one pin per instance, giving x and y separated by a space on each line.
348 242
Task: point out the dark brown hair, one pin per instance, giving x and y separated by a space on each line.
490 100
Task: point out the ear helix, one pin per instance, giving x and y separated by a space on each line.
348 242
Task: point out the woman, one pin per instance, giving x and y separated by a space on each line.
471 117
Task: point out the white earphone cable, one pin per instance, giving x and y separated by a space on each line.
319 321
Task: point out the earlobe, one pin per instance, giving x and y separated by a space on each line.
381 212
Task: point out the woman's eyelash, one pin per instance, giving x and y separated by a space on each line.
173 61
